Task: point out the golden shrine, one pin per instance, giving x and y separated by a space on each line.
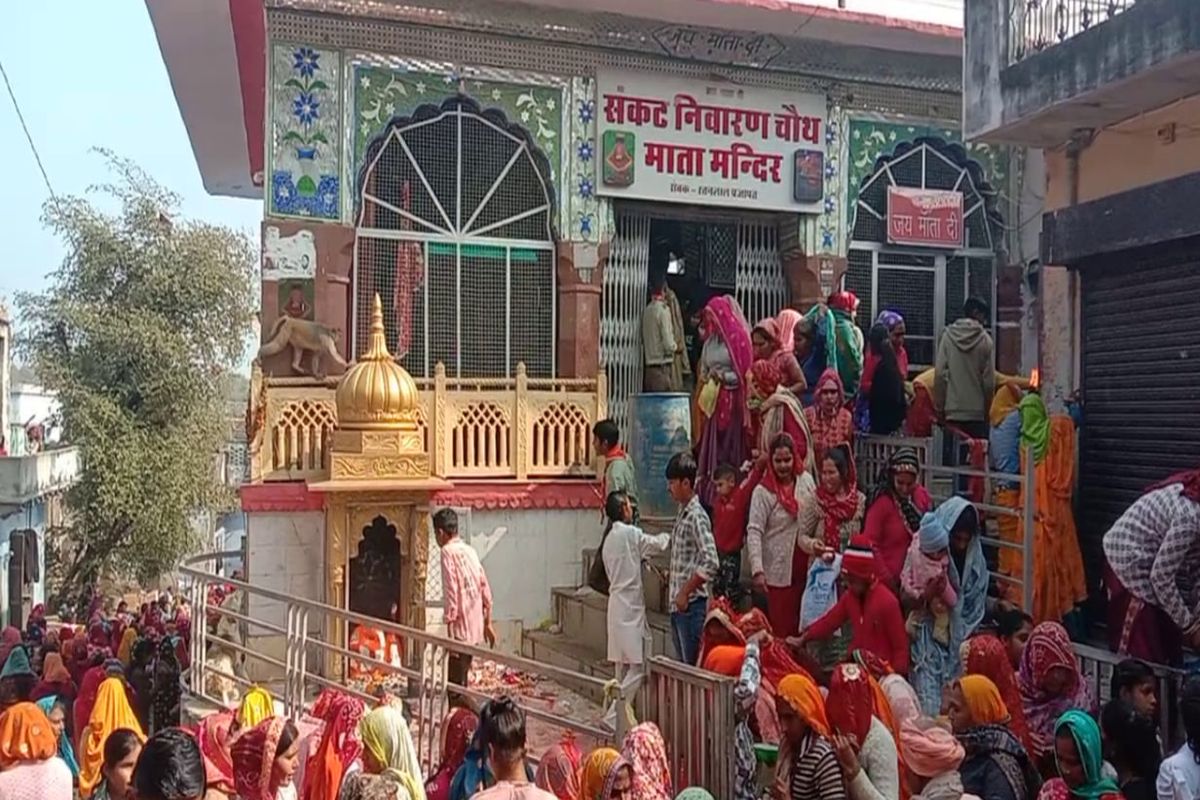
378 489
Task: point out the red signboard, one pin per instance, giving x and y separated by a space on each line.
925 217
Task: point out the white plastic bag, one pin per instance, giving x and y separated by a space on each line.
820 590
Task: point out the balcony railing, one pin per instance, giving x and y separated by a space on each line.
492 428
1035 25
26 477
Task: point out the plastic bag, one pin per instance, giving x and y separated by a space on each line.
707 399
820 590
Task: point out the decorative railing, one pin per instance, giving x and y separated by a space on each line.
1036 25
495 428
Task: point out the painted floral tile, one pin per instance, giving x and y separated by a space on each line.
382 94
305 146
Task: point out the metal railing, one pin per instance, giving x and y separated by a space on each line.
942 482
1098 665
1036 25
693 708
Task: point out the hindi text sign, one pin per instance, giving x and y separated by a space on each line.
924 217
717 144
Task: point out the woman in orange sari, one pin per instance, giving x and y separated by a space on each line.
111 712
29 766
340 745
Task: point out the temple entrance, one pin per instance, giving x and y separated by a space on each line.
705 253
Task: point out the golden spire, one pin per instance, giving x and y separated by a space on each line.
376 392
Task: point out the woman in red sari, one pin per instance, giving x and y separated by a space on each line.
894 512
457 730
55 681
214 734
724 362
828 418
340 745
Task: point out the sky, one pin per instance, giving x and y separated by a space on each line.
88 73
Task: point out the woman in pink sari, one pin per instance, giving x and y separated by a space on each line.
774 340
776 410
724 363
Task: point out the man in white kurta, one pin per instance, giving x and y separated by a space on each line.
625 548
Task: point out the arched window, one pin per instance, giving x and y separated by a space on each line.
455 234
927 286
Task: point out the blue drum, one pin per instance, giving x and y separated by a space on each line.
660 427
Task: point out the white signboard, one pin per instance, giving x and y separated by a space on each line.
717 144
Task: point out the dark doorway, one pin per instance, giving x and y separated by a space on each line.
375 572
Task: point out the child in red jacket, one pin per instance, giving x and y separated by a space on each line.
730 509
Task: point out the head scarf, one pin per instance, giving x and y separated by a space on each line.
785 329
339 747
769 327
17 664
987 656
214 739
558 771
1005 402
25 735
844 301
1035 425
726 659
850 705
1189 480
1049 647
646 751
786 495
458 728
983 700
10 637
929 749
54 670
802 696
901 697
385 733
694 793
253 756
829 376
838 509
725 314
720 613
859 558
256 706
110 712
903 460
125 649
1086 734
65 751
599 772
889 319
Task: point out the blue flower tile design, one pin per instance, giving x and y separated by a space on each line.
830 205
288 199
830 169
585 151
585 224
827 239
831 133
586 188
587 111
306 61
305 108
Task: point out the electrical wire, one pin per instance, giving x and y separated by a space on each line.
28 136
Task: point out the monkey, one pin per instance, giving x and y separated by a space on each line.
303 335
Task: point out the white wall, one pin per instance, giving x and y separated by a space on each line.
933 12
526 553
285 553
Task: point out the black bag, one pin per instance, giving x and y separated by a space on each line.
597 577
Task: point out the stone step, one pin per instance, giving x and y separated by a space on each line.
562 651
582 615
654 588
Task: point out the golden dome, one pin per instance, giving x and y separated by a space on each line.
376 392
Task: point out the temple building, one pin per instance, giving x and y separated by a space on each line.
497 184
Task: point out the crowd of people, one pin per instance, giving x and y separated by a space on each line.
869 636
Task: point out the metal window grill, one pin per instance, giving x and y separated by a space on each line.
928 287
455 235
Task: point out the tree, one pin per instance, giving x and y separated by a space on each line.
136 332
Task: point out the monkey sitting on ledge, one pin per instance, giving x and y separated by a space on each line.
303 336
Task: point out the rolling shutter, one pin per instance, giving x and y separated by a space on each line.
1141 381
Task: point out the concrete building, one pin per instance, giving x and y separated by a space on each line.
1107 91
31 495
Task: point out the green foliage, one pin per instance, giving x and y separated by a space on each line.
137 332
